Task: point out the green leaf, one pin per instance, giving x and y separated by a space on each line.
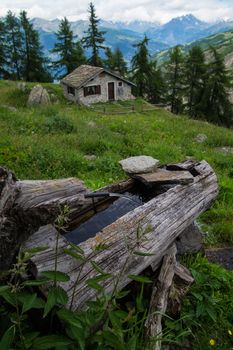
9 297
35 250
35 282
69 317
97 268
56 295
132 343
56 276
4 289
141 279
74 254
7 338
94 285
93 282
77 248
142 253
31 301
28 302
50 342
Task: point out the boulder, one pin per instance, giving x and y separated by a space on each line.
21 85
38 96
200 138
190 240
90 157
139 164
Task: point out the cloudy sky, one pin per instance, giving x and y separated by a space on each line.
149 10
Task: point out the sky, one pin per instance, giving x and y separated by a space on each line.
122 10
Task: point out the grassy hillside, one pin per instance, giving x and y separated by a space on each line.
222 41
51 142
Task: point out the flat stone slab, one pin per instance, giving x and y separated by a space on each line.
139 164
166 177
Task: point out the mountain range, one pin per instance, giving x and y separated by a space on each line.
179 30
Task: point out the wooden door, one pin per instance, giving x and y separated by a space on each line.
111 91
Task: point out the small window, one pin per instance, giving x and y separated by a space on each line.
92 90
120 83
70 90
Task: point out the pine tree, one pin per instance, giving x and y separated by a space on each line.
156 85
141 67
109 61
70 54
215 103
14 41
34 63
115 61
175 80
2 50
119 62
94 38
195 71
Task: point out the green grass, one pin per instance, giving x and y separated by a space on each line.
51 142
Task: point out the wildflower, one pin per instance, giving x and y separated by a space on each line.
229 332
212 342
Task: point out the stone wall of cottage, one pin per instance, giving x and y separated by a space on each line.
121 92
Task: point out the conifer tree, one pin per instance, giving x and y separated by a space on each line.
195 72
175 79
115 61
141 67
215 103
70 53
14 41
156 85
34 63
119 62
94 38
109 61
2 50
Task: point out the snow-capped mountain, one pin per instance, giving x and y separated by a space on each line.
179 30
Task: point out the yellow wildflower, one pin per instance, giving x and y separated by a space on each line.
212 342
229 332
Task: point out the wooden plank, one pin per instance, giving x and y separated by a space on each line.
162 176
162 220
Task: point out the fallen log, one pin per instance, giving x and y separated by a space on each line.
151 229
27 205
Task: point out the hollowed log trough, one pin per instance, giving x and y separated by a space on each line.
28 210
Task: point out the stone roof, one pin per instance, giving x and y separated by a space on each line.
84 73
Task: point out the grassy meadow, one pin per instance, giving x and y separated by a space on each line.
52 142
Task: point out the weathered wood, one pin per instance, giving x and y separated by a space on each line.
159 298
162 220
165 176
27 205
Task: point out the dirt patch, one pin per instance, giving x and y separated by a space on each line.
221 256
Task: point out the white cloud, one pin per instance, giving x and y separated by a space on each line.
159 10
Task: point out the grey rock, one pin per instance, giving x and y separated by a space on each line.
190 240
54 98
139 164
10 108
21 86
225 149
90 157
38 96
92 124
200 138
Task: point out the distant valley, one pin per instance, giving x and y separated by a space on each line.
180 30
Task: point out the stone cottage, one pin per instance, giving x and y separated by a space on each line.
88 84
